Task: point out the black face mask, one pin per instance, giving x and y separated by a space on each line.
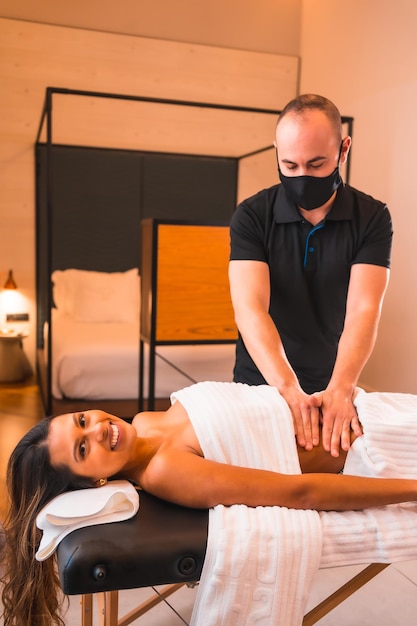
311 192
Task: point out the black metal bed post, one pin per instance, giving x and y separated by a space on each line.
150 99
152 335
44 299
49 240
43 384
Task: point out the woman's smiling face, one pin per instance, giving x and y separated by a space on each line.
94 444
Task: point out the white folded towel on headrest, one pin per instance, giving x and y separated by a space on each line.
116 501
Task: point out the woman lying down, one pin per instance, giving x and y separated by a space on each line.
184 455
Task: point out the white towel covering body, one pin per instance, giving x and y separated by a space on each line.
260 561
116 501
387 449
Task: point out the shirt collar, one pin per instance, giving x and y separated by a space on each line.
286 212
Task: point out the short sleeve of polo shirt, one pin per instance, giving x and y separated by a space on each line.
376 237
248 231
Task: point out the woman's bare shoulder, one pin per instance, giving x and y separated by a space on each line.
172 428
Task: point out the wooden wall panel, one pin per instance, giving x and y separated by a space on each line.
34 56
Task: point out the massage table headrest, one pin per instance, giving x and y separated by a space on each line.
163 543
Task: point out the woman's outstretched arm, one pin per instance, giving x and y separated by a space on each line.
190 480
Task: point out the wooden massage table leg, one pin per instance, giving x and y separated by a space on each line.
87 609
346 590
108 607
108 601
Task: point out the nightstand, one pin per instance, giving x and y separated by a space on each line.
14 364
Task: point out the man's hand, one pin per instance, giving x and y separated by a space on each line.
305 411
339 418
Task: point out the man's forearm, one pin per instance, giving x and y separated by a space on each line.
367 288
355 347
264 345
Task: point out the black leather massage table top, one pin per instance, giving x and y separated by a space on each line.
163 543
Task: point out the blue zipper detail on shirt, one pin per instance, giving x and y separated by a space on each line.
306 249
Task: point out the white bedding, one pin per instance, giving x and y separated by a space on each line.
101 361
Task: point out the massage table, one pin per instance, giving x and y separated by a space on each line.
164 544
253 562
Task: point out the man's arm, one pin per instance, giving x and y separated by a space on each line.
250 292
367 287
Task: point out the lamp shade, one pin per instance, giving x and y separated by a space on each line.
10 284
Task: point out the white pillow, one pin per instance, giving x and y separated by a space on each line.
89 296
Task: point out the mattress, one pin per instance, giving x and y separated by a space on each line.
100 361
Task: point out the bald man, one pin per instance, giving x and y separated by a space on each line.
309 267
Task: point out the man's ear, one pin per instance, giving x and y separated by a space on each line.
347 142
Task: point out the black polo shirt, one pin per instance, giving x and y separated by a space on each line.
309 272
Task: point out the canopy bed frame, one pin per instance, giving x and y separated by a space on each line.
91 198
104 162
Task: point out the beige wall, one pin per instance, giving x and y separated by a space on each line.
34 56
363 55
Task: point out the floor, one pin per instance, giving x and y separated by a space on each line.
387 600
20 408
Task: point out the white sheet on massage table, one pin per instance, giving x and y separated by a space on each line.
100 361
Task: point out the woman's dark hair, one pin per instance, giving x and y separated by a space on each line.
31 589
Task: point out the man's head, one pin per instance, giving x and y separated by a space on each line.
301 105
309 144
